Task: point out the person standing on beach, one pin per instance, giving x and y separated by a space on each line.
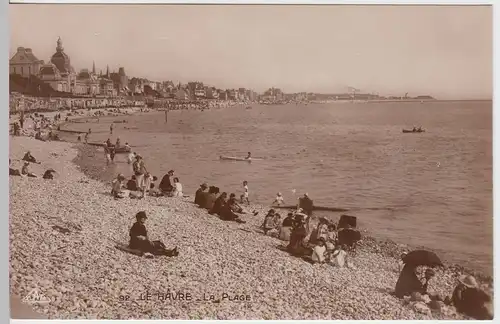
111 129
139 171
107 153
245 193
86 138
166 115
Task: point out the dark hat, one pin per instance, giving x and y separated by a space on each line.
204 185
171 171
141 214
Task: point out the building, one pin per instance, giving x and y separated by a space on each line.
232 94
223 95
25 63
182 94
212 93
51 75
123 84
87 83
59 73
106 87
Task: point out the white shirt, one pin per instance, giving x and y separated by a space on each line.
178 189
279 200
246 191
318 254
147 182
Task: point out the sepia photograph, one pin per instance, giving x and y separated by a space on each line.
251 162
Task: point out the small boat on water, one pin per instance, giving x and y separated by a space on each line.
413 131
234 158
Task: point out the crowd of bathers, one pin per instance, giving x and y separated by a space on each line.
329 242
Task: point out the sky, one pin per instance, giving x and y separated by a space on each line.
444 51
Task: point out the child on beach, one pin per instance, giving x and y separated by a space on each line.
131 157
117 185
107 153
177 188
279 200
245 193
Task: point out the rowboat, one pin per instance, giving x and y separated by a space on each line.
233 158
412 131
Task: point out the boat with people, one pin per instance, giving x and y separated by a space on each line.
248 158
414 130
234 158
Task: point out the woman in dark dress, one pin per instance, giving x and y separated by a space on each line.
139 238
219 203
408 282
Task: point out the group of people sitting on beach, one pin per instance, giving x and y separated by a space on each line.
142 183
323 244
219 204
42 127
25 171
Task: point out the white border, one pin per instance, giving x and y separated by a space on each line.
267 2
4 32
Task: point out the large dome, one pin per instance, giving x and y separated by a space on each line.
61 60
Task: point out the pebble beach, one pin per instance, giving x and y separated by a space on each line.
228 270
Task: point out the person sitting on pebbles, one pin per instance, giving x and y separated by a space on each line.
49 174
132 184
331 237
210 198
25 170
269 221
320 231
13 172
297 236
219 203
319 251
30 158
117 186
167 184
177 188
408 281
470 300
198 197
286 227
228 214
139 239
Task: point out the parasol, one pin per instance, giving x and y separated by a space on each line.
422 257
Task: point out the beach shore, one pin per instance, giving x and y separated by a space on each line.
85 276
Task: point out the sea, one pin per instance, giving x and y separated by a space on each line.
431 189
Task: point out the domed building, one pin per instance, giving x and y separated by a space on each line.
61 60
59 73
